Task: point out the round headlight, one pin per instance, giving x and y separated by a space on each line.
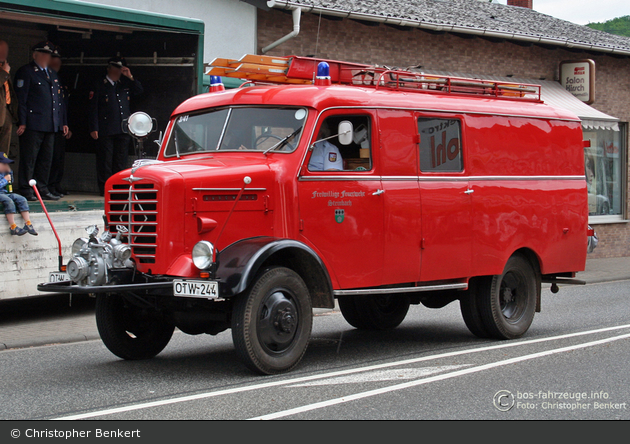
203 255
140 124
78 244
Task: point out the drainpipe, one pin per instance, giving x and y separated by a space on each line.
296 13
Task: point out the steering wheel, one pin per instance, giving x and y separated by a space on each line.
264 137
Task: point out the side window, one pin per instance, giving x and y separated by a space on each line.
440 145
330 155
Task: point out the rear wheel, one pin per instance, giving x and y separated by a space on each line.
271 323
507 302
374 312
129 331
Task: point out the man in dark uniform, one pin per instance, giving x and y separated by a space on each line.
109 106
39 118
59 150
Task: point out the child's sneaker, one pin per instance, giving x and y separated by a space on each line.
17 231
29 229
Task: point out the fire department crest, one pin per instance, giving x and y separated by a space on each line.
340 215
332 157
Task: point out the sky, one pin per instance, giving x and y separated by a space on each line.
581 11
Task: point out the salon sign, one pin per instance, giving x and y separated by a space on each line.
578 78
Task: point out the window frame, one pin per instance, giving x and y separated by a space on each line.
623 217
349 112
463 153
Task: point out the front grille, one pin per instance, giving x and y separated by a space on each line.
136 207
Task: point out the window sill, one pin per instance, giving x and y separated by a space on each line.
601 220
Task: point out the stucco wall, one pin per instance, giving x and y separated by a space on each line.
230 24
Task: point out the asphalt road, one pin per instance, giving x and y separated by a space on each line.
572 364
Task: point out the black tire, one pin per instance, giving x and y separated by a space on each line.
272 321
507 302
469 306
374 312
131 332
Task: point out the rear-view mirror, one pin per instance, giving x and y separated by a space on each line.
345 132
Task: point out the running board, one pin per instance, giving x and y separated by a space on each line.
563 281
370 291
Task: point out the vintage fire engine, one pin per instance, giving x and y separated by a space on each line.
322 180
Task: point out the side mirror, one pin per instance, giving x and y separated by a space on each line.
345 132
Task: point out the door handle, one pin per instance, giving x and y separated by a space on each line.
378 192
469 191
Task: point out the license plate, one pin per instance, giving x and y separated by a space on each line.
58 277
196 289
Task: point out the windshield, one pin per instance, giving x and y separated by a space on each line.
234 129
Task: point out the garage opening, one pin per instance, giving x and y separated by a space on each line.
163 53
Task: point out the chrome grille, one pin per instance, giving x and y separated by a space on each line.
136 207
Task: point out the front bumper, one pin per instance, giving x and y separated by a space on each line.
69 287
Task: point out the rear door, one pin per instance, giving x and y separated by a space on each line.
402 212
341 211
446 198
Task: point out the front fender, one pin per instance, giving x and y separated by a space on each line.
239 263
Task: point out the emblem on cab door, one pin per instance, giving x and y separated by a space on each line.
340 216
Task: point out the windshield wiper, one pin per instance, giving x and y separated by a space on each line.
176 146
283 142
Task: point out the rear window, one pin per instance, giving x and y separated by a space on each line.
440 145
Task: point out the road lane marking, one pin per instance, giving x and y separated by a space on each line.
381 375
437 378
264 385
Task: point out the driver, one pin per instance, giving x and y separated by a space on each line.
325 156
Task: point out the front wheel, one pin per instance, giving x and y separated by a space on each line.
131 332
507 302
271 323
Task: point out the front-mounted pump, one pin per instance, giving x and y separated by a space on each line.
100 261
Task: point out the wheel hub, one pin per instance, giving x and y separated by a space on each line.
278 321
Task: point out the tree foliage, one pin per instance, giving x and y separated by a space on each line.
618 26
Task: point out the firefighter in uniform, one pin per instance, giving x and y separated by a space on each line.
59 151
109 105
39 118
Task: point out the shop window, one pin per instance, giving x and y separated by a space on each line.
440 145
330 155
604 169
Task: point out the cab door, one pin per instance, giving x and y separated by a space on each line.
341 211
446 199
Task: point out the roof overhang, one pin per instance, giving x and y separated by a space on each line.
285 4
552 93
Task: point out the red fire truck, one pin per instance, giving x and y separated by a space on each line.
322 180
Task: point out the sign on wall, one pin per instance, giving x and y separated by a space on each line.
578 78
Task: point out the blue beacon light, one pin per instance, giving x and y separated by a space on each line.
323 75
216 84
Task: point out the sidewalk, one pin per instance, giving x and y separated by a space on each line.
55 319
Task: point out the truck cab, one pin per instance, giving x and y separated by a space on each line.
324 183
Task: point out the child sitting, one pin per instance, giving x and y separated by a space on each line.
11 200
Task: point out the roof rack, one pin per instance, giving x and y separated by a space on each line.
302 70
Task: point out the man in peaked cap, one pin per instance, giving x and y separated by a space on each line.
110 101
39 118
59 150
